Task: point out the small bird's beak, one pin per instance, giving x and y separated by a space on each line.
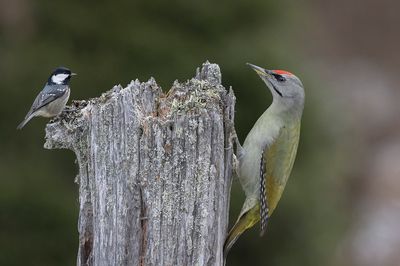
260 71
73 74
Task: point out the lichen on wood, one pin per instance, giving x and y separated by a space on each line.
154 171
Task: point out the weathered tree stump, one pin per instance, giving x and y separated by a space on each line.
154 171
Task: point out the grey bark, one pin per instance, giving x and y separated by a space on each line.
154 171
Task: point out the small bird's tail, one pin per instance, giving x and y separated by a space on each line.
245 221
26 120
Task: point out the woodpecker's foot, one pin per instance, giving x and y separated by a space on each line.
236 164
233 138
239 149
231 130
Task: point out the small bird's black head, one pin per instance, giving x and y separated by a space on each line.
60 76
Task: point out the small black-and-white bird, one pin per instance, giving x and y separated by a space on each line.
52 99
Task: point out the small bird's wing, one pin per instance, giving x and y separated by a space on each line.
276 164
47 95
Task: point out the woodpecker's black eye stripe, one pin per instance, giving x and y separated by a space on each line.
277 91
279 77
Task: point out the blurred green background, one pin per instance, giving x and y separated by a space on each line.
342 199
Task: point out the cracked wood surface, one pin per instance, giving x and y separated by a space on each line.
154 171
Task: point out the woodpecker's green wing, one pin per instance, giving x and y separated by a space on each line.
276 165
246 221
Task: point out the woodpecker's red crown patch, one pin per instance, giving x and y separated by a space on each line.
282 72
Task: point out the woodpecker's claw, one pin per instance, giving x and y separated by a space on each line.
239 148
239 151
233 138
231 131
236 164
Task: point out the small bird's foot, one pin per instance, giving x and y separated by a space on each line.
69 109
53 120
66 113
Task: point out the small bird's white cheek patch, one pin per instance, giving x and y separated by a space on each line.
59 78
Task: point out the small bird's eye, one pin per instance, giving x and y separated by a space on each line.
279 77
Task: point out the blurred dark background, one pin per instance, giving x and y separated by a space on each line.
342 202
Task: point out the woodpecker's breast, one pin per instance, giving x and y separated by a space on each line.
263 133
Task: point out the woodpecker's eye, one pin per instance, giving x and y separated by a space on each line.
279 77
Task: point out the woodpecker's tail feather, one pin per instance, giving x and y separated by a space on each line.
26 120
246 221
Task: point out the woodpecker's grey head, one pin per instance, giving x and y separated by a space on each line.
286 88
60 76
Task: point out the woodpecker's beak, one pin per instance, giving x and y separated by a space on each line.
73 74
260 71
266 75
